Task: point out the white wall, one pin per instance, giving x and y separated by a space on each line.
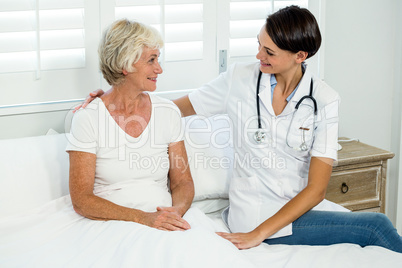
397 117
398 187
362 56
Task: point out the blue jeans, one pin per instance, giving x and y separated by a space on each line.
327 228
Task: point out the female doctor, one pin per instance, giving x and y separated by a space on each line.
285 132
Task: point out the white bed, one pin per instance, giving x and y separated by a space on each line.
34 183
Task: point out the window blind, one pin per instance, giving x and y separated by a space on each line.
40 35
179 22
58 41
246 20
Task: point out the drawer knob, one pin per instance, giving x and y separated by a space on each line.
344 188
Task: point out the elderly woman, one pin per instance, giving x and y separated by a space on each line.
123 149
128 179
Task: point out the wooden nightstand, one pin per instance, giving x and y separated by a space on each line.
359 177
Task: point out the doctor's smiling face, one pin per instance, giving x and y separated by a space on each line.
289 36
274 60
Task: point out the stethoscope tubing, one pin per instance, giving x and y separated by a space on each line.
310 96
258 100
260 136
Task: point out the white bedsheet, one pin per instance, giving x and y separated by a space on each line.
65 239
336 256
55 236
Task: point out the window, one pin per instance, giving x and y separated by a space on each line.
48 49
181 25
186 57
41 35
246 20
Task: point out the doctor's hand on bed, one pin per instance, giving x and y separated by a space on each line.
92 95
167 219
243 240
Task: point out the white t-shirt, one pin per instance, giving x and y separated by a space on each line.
131 172
268 175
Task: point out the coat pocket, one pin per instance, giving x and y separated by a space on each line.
245 202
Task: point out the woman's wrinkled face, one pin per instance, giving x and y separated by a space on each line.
146 71
273 60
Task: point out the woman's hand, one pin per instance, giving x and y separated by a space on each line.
243 240
167 219
92 95
314 193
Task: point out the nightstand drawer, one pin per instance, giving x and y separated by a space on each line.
356 189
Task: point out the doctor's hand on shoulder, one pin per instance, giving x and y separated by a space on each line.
92 95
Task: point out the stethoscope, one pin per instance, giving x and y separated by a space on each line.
260 136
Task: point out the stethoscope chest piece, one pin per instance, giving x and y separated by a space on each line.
260 136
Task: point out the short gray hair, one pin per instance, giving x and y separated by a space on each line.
121 46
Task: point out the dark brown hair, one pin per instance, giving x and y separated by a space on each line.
294 29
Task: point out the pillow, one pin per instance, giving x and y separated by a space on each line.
51 131
209 206
209 148
33 171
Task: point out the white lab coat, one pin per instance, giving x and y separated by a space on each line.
268 175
